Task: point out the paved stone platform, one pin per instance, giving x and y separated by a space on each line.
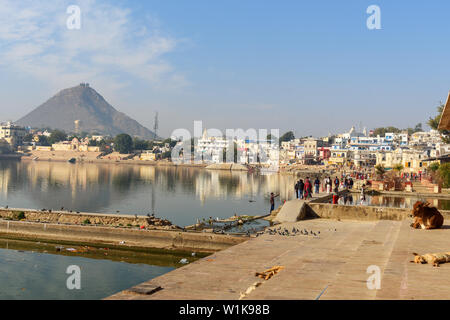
332 265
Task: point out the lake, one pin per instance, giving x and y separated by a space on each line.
397 202
182 195
178 194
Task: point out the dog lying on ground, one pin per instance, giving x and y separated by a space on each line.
432 258
426 217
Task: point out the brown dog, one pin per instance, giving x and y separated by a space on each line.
426 217
432 258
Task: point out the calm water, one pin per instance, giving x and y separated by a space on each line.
179 194
397 202
35 271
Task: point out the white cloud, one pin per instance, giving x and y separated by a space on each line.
113 47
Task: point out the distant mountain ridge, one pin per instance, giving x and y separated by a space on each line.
94 113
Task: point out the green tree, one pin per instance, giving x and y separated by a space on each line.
123 143
28 138
434 166
288 136
434 123
382 131
418 127
444 173
380 170
43 141
4 147
398 168
140 144
57 136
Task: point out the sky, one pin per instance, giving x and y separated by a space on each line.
313 67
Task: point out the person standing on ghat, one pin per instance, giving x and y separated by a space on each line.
272 201
316 185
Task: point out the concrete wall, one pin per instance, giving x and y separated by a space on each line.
80 218
365 213
112 237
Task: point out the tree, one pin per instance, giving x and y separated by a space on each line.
434 124
434 166
418 127
398 168
444 173
380 170
28 138
57 136
140 144
43 141
4 147
382 131
123 143
288 136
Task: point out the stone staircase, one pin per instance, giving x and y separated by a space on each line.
424 186
331 266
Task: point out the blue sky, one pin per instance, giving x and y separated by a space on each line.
309 66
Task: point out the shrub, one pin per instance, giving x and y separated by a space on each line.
19 215
444 173
87 221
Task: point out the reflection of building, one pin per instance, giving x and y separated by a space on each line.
12 134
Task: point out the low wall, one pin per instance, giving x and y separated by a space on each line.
364 213
117 237
82 218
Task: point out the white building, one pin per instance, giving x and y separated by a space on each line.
12 134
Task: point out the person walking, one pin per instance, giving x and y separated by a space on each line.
301 187
272 201
328 186
308 188
296 188
335 198
317 185
336 185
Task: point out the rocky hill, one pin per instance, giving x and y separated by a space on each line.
93 112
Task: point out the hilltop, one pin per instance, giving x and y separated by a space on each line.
94 113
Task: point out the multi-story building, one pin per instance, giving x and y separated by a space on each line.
412 160
13 134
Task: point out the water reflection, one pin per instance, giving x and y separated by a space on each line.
179 194
396 202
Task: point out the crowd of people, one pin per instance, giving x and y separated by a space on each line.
304 189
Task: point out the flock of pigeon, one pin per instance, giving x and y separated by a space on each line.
294 232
